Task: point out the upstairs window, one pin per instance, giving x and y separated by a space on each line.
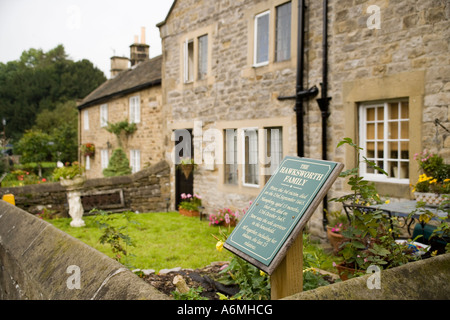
103 115
283 32
189 61
384 137
202 57
135 110
261 41
86 119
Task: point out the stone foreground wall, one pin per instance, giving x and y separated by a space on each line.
144 191
40 262
427 279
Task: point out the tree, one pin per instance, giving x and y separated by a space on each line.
118 165
39 81
35 146
61 125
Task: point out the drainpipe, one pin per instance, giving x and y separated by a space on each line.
324 101
301 93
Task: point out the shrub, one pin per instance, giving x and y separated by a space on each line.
118 165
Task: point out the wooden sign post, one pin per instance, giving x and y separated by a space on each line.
270 234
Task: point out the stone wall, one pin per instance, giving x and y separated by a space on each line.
144 191
422 280
407 57
40 262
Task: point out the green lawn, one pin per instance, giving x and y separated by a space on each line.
162 240
169 240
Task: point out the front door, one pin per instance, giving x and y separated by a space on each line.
183 149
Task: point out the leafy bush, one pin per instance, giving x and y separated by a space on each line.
118 165
68 172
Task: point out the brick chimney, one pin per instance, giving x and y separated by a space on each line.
139 51
118 64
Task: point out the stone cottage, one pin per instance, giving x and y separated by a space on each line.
132 95
376 71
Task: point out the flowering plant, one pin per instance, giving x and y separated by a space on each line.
88 149
68 171
224 216
190 202
436 174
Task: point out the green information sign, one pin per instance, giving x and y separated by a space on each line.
280 211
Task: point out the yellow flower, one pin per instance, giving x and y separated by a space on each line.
262 273
387 201
433 181
219 246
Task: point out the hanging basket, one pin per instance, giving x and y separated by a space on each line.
187 169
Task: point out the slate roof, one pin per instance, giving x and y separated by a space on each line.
146 74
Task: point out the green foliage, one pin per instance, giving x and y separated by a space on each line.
61 124
35 146
114 236
370 238
121 128
118 164
253 283
68 171
39 81
192 294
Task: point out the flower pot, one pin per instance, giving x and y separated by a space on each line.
336 239
74 183
430 199
345 271
188 213
187 169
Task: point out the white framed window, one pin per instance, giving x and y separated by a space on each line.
87 163
384 137
135 110
104 158
135 160
231 157
202 57
274 147
86 119
250 155
283 32
261 40
189 61
103 115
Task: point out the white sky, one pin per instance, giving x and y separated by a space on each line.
89 29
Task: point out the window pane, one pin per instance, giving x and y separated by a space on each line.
231 165
370 131
251 157
262 38
393 130
274 147
380 131
283 41
404 154
405 110
393 111
405 130
202 56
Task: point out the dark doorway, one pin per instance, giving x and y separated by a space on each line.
183 149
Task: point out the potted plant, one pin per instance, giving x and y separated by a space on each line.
337 223
187 166
434 182
190 204
224 217
87 149
70 175
369 236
